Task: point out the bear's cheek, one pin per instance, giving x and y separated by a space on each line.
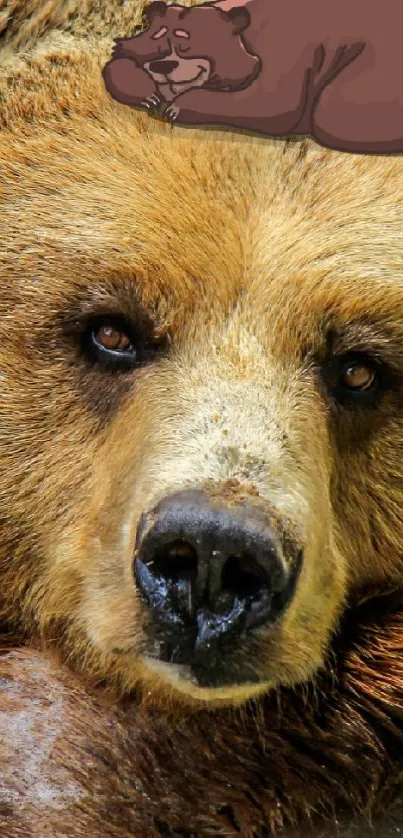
93 557
367 504
310 622
92 566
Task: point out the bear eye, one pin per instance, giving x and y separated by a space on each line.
355 377
120 344
359 376
112 338
113 341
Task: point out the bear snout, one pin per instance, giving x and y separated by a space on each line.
163 67
209 571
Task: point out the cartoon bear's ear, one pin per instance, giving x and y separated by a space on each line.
240 19
156 9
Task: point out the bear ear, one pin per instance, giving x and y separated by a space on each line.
156 9
240 19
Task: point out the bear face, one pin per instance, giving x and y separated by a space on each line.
144 354
183 48
242 271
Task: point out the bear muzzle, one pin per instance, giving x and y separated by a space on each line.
210 572
179 72
163 67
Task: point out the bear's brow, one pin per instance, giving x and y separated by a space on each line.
160 32
370 337
120 299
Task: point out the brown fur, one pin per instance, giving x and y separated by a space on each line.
89 766
241 253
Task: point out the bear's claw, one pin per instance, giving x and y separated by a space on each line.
151 102
172 113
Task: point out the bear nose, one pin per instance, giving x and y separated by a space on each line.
163 66
208 571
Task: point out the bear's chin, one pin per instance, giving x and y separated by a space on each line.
180 678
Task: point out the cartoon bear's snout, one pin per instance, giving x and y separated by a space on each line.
209 570
163 67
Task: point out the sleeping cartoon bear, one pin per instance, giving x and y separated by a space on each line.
330 70
170 56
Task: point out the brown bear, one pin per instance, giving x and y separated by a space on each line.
201 440
170 56
331 70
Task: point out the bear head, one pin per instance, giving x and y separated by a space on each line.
183 48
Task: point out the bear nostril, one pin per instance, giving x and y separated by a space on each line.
166 580
175 560
243 576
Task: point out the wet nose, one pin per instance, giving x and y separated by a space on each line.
163 67
209 571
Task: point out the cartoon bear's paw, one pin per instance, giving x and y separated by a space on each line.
151 102
117 48
172 112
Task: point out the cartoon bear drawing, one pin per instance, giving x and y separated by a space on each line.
181 49
331 70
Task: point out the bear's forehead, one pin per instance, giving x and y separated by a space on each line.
191 19
139 210
171 16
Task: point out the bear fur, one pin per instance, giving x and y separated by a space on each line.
254 257
329 70
88 765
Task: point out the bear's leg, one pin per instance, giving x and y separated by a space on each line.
128 83
361 110
273 105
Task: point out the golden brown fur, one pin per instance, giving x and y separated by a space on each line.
243 251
